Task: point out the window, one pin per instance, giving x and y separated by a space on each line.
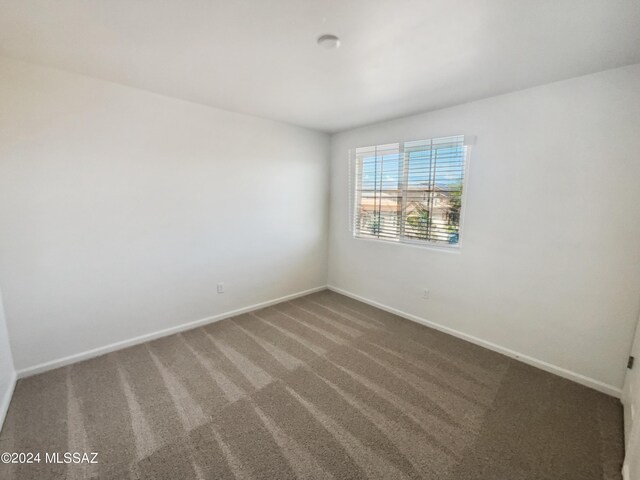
410 192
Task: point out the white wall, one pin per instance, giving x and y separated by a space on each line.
120 210
550 258
7 371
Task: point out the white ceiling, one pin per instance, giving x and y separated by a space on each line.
260 56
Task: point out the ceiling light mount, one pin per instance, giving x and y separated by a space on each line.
329 41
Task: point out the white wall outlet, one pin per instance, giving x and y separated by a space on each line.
426 294
220 288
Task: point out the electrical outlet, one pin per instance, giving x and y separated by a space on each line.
426 294
220 288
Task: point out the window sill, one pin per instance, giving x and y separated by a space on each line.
416 244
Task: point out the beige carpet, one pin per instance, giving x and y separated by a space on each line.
320 387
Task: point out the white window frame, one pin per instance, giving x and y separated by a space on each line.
468 142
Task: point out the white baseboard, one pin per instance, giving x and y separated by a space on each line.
96 352
562 372
6 399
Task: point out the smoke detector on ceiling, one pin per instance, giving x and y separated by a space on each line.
329 41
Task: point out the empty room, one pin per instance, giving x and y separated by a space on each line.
320 239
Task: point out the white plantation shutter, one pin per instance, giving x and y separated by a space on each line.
410 192
378 191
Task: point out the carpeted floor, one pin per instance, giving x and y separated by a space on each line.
320 387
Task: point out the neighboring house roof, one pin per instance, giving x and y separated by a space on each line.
390 200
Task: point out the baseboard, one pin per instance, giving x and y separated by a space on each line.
6 399
96 352
562 372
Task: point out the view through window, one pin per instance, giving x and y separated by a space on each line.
411 192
